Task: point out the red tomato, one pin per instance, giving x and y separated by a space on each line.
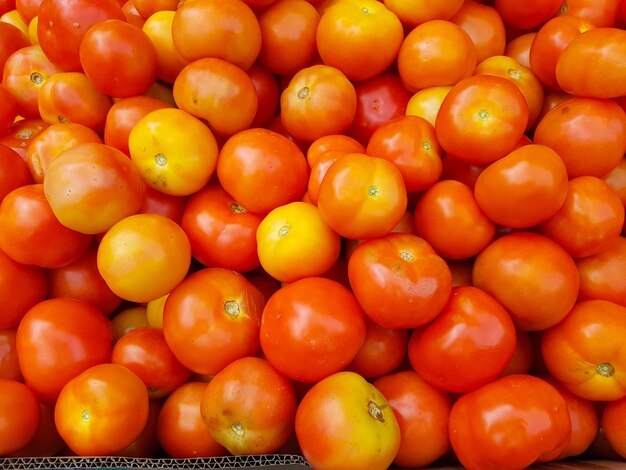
46 442
211 319
484 26
601 274
147 8
146 445
21 133
312 328
613 425
481 119
414 13
249 407
616 179
527 16
399 280
14 171
9 110
11 40
532 277
519 48
328 416
180 429
266 86
145 352
497 426
102 410
583 351
118 58
9 363
58 339
156 202
523 357
450 219
467 345
21 416
422 412
62 25
600 13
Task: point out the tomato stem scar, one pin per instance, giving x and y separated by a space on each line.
231 307
376 411
238 429
605 369
36 78
160 159
303 92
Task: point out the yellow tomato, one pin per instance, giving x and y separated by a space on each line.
32 30
14 18
158 27
175 152
294 242
426 103
129 319
155 311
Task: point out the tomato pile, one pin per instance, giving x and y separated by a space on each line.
370 232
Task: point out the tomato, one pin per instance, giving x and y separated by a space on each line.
334 142
58 339
523 357
9 110
519 48
589 220
156 202
146 445
312 328
81 280
342 419
62 25
526 187
158 27
53 140
129 319
522 77
262 170
174 152
206 87
583 351
422 412
32 234
21 416
211 319
180 429
481 119
14 171
484 26
497 425
25 73
11 40
601 274
132 15
467 345
288 30
27 8
319 101
369 45
9 363
382 351
612 425
531 276
426 103
294 242
450 219
144 256
616 179
414 13
92 186
147 8
600 13
436 53
145 352
362 196
46 442
118 58
200 29
531 14
588 134
102 410
124 115
409 142
249 407
266 86
221 231
399 280
154 311
605 78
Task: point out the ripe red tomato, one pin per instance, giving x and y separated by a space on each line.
266 85
14 171
19 136
382 351
414 13
21 416
467 345
612 421
600 13
328 416
484 26
102 410
249 407
496 426
527 16
422 412
9 110
58 339
399 280
212 318
601 274
9 362
312 328
11 40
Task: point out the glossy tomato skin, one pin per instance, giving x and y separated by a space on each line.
102 410
19 136
328 416
8 113
485 27
11 39
583 351
612 425
532 14
399 280
472 325
212 318
58 339
21 416
312 328
422 412
601 14
601 274
62 25
249 407
496 425
531 276
14 171
9 362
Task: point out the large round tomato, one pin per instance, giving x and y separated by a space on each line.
102 410
344 419
312 328
249 407
496 426
58 339
21 416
